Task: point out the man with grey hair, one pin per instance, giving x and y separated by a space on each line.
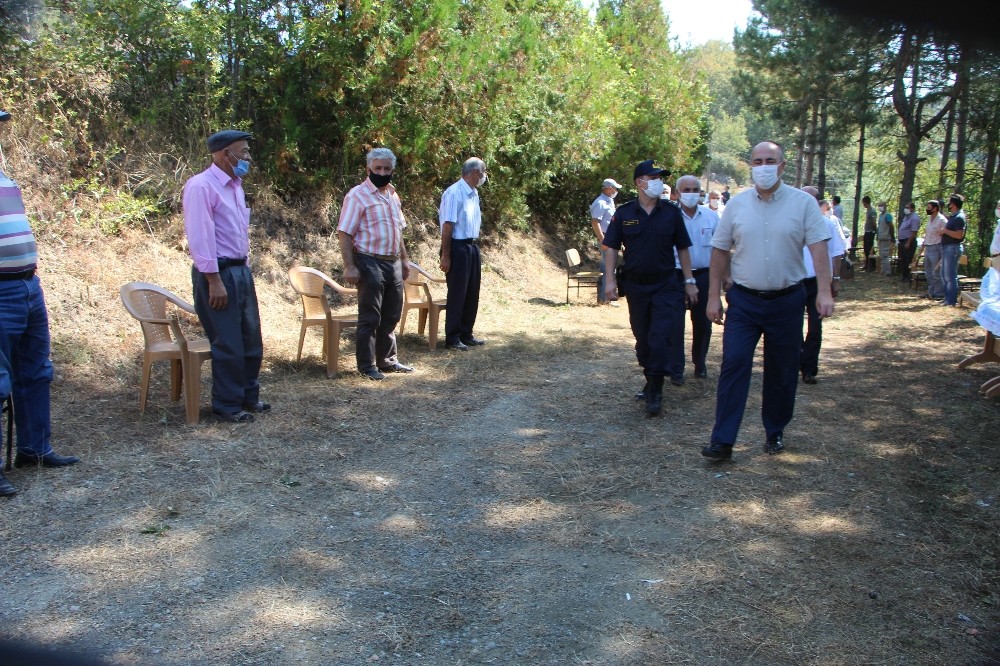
601 212
370 232
461 220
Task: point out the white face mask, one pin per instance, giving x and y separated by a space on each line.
907 211
689 199
482 180
654 188
881 209
765 175
997 212
713 203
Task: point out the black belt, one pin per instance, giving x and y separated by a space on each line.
380 257
769 295
23 275
699 271
474 241
225 262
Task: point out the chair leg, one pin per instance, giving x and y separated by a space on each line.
991 387
422 323
302 339
402 319
147 364
176 379
332 341
432 334
192 392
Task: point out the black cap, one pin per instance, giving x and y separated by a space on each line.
4 116
648 168
226 138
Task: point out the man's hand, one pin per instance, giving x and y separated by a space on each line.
610 288
691 294
714 310
835 288
445 264
352 275
824 304
406 270
218 297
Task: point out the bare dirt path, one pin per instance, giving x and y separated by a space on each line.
512 505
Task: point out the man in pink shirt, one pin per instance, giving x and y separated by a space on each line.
370 233
217 223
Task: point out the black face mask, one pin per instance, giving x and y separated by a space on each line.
929 211
378 180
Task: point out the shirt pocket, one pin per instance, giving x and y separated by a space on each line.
706 237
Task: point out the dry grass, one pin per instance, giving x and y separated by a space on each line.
510 505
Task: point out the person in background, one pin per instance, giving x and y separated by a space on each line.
25 367
758 245
217 224
886 238
951 248
701 223
871 226
813 341
601 212
460 218
930 250
909 228
838 210
725 195
370 233
715 202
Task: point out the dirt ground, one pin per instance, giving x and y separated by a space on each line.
509 505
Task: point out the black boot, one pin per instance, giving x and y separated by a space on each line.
654 396
641 395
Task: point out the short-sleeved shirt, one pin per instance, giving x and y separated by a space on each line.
18 248
375 220
835 247
956 222
767 236
602 210
838 212
935 225
909 227
216 218
700 230
871 220
649 238
460 206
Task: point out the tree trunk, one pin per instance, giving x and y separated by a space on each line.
821 147
857 191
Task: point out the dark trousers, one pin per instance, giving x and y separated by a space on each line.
464 278
380 303
701 331
809 357
869 244
905 256
749 317
234 335
653 311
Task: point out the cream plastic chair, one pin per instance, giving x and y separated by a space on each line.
308 284
417 296
148 304
577 278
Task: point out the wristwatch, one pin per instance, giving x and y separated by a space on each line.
837 278
689 280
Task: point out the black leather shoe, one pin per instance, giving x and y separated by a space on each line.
654 401
808 379
457 346
701 374
718 451
641 395
257 407
774 444
677 381
373 374
6 488
49 460
396 367
241 416
473 342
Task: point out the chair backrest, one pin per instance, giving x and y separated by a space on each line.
963 260
414 290
148 304
572 258
308 284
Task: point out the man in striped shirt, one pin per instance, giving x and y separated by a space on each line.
25 367
370 233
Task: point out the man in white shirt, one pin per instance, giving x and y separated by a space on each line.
601 212
809 356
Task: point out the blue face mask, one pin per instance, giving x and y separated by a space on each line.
241 168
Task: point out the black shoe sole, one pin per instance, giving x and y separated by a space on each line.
716 454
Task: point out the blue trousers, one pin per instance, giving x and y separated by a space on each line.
809 356
24 343
748 318
234 335
932 270
701 332
653 311
380 304
464 277
949 271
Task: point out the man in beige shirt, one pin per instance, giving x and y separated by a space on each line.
759 243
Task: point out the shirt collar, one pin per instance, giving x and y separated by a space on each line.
370 187
221 176
467 189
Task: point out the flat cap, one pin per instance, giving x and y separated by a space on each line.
611 182
4 115
648 168
226 138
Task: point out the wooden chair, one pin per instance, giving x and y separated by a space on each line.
918 275
577 278
417 296
147 303
308 284
970 283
